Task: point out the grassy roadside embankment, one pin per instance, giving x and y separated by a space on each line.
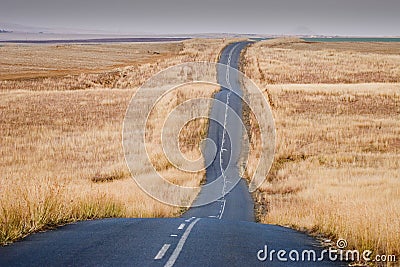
337 164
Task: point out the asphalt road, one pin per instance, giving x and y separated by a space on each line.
222 233
225 129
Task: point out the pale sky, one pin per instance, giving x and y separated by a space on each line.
330 17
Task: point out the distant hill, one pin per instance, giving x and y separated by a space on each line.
301 30
11 27
19 28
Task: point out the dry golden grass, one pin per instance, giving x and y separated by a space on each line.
61 150
337 164
95 66
36 61
295 61
62 160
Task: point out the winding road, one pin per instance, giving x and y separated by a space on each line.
223 233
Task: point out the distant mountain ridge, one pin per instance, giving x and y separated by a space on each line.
11 27
14 31
20 28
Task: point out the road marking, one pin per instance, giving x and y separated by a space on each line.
223 142
223 209
162 252
181 243
181 226
190 219
212 216
227 78
174 235
224 130
228 65
225 120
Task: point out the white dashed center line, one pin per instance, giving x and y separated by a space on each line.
181 226
180 245
225 121
190 219
222 209
229 65
162 252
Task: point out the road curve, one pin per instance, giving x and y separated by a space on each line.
222 233
227 133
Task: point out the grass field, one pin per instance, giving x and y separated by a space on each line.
94 66
36 61
60 132
337 165
290 61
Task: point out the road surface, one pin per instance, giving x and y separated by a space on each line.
222 233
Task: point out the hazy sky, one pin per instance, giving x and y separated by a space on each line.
341 17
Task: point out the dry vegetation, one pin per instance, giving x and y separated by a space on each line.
48 67
61 149
294 61
36 61
337 163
